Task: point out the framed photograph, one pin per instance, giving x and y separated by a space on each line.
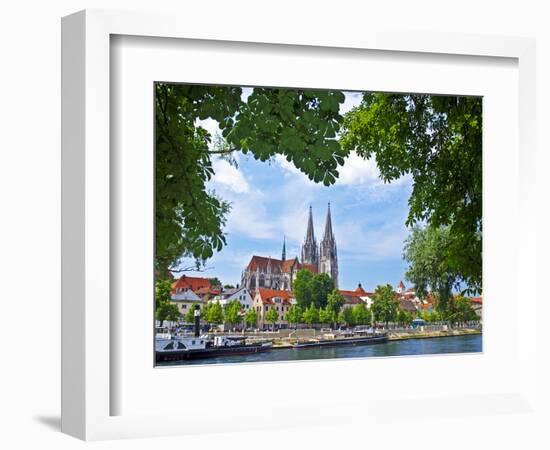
280 213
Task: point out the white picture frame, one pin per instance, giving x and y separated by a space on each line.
88 383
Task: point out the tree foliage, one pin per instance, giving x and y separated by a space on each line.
190 314
404 317
294 315
346 317
300 125
327 315
215 282
232 312
302 288
361 315
312 289
430 316
428 252
213 313
335 301
322 285
462 310
251 318
164 309
311 315
437 140
384 306
272 317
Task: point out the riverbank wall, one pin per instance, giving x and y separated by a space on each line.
420 334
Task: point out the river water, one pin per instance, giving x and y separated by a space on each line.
452 344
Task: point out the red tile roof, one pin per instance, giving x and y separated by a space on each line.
207 291
354 297
311 267
478 300
193 283
277 265
267 295
288 264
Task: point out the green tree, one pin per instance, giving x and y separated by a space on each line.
427 251
327 316
430 316
302 288
215 281
346 317
335 301
384 306
213 313
164 309
299 124
322 285
232 312
251 318
404 318
361 315
311 315
437 140
312 289
463 310
294 315
190 314
272 317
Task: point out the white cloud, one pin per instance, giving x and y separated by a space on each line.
229 176
352 100
357 170
250 218
371 242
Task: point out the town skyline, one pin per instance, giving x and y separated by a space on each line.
270 202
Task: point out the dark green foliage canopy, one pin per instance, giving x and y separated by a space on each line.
232 312
164 309
312 289
430 254
438 141
301 125
385 305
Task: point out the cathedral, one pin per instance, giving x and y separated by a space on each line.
271 273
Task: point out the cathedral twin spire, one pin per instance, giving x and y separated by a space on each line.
324 257
309 249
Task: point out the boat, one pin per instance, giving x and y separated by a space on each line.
179 348
184 346
335 341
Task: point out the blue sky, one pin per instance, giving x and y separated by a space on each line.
270 201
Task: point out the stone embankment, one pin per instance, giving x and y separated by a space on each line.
424 334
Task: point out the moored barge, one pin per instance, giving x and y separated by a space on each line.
336 342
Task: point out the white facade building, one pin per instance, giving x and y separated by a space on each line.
242 295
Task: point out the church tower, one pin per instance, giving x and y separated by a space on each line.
284 249
328 257
309 249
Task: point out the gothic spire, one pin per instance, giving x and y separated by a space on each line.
309 249
328 226
328 254
310 236
284 248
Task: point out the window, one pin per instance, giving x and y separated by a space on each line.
266 307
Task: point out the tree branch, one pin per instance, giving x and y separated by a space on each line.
191 269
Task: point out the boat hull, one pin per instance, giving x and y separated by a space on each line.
211 352
370 340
